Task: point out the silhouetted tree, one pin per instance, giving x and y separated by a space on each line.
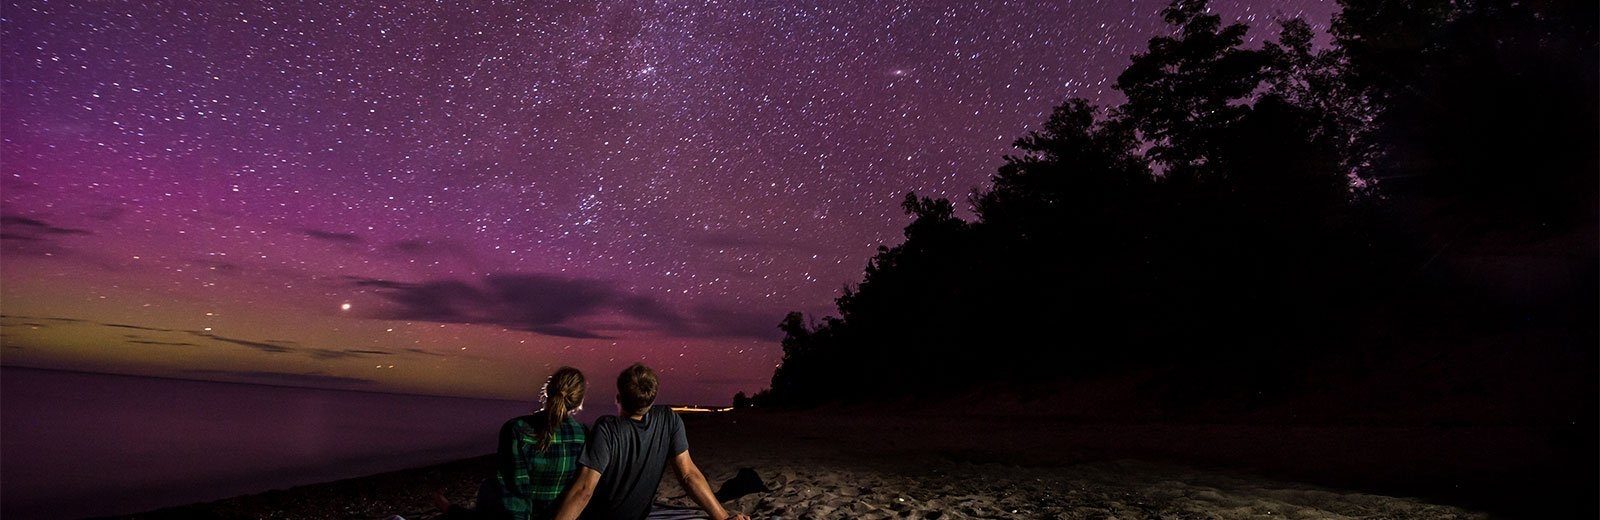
1486 118
1184 89
1245 211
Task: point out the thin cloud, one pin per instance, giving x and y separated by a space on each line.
136 327
555 306
533 302
273 348
22 236
323 353
269 346
164 343
34 227
49 318
333 236
307 378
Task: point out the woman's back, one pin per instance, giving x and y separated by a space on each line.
531 475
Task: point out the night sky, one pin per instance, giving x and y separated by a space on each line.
455 198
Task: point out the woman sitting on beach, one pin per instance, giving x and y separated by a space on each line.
537 457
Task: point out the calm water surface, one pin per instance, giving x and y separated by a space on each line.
75 444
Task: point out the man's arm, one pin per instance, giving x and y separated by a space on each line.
577 497
695 483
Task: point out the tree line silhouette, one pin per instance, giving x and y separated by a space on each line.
1249 213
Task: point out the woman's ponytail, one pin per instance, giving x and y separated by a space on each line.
562 394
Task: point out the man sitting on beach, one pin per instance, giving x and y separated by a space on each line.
626 456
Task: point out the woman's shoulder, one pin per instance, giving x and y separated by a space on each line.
520 423
573 424
520 420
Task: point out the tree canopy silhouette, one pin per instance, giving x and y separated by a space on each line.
1246 210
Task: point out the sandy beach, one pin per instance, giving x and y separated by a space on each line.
872 465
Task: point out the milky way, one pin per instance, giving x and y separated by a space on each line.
453 198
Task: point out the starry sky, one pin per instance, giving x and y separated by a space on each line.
456 197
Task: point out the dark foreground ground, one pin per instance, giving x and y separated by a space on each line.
858 464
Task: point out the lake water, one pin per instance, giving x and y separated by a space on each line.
76 444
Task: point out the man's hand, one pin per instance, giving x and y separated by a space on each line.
732 516
695 483
577 497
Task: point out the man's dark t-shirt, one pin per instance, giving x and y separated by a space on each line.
631 456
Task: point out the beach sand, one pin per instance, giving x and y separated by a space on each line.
1100 490
875 465
870 465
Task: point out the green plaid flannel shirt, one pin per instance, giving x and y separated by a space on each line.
531 480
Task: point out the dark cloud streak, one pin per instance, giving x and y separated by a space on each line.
333 236
272 348
554 306
136 327
323 353
15 223
165 343
286 378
